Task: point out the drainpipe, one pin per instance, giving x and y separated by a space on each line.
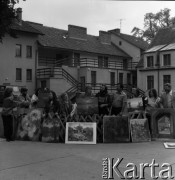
36 67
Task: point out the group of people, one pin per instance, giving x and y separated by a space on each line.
16 106
108 104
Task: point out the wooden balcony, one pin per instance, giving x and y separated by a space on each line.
87 62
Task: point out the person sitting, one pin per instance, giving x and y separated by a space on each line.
119 102
103 100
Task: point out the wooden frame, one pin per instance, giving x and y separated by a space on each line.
81 133
169 145
156 114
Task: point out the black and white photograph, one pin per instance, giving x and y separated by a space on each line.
87 89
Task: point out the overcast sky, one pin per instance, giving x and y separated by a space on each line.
95 15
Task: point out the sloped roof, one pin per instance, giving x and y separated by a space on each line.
168 47
138 42
58 38
24 27
164 36
155 48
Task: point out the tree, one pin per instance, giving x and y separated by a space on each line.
152 23
7 16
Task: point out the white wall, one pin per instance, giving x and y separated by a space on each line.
130 49
9 62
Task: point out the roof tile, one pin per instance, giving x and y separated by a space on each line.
59 38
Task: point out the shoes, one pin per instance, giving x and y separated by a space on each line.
8 140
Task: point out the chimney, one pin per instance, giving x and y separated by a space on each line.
115 30
19 15
77 32
105 37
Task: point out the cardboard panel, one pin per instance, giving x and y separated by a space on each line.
115 129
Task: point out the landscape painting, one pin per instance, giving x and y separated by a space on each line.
80 133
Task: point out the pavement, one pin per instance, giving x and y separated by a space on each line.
24 160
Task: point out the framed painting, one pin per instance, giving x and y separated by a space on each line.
139 130
87 105
169 145
162 123
80 133
116 129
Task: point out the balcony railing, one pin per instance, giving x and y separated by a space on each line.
56 73
87 62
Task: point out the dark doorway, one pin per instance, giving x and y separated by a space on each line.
82 81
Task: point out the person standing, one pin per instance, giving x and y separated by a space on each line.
153 101
103 100
53 106
7 113
65 105
119 101
167 98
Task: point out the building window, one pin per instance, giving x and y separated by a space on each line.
166 59
76 59
18 50
28 51
29 74
125 64
105 62
166 79
129 78
149 61
93 78
120 43
150 82
121 78
18 74
112 74
100 61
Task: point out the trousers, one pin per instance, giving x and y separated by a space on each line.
8 126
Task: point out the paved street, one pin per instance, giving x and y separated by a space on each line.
21 160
